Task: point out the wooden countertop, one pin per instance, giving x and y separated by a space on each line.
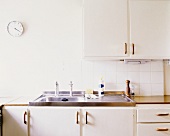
24 100
16 101
152 99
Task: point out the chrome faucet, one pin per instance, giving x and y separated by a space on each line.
71 88
57 89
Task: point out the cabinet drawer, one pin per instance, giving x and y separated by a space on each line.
153 115
153 129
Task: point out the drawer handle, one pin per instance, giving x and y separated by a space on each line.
162 114
162 129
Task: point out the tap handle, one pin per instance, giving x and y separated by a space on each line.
71 83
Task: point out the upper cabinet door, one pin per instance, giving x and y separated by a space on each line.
105 28
150 28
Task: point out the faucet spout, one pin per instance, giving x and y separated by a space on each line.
57 89
71 88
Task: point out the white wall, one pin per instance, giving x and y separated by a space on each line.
53 33
51 50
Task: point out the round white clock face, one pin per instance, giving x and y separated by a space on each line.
15 28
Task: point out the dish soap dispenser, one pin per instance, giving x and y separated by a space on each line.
101 87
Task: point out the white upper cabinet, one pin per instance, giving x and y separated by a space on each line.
150 28
105 28
111 25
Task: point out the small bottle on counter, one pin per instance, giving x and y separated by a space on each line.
101 87
132 93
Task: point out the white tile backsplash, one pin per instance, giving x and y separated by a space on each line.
157 66
145 67
146 79
157 89
132 67
145 90
110 77
157 77
87 74
134 77
121 77
120 87
121 66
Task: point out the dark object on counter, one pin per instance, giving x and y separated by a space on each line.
127 88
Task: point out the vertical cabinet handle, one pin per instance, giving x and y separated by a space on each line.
133 48
25 113
125 48
77 119
86 117
162 129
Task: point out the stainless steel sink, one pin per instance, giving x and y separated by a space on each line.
60 99
78 99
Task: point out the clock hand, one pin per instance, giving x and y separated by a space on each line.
16 29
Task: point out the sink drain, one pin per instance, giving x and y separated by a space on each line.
64 99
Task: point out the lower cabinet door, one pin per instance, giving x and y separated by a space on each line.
108 122
54 121
155 129
13 121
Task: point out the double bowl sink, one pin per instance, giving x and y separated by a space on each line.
110 98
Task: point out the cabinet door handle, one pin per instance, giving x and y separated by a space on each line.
162 129
125 48
162 114
25 113
77 119
133 48
86 117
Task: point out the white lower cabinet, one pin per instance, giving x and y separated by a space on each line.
153 120
13 121
108 122
68 121
81 121
54 121
154 129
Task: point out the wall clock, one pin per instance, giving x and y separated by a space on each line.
15 28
